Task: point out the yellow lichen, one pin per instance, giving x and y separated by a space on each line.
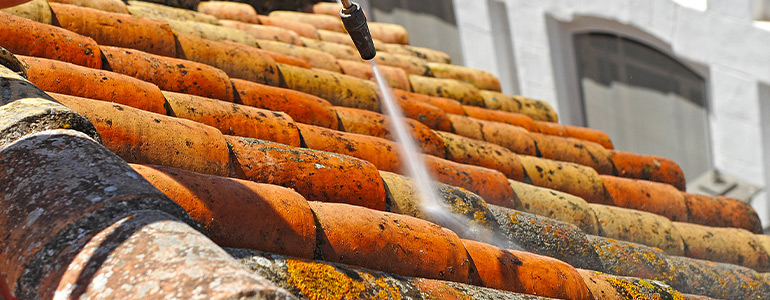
323 282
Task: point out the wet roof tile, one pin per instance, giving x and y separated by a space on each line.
181 96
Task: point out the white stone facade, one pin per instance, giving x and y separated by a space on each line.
722 39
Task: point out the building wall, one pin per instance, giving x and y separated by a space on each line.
720 38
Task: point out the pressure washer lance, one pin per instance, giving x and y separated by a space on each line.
355 22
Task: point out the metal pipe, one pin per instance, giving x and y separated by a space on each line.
355 23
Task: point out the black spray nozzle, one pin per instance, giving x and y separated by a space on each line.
355 23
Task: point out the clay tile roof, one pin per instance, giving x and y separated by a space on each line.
138 139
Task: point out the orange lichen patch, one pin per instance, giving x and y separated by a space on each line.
235 119
287 60
339 51
510 118
371 123
316 175
64 78
600 288
464 92
449 106
339 89
468 151
169 74
239 213
120 30
648 167
303 108
319 281
566 177
536 109
389 33
396 77
303 29
487 183
229 11
654 197
319 21
727 245
639 227
388 242
314 57
146 138
410 64
479 78
238 61
574 151
26 37
556 205
721 212
425 113
115 6
605 286
380 152
264 32
525 272
327 8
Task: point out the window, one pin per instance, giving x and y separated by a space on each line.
644 99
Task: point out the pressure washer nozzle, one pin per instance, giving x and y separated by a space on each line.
355 23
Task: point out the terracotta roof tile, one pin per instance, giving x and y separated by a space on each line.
607 287
524 272
311 109
538 110
728 245
339 89
570 178
547 237
137 136
264 32
344 38
229 11
648 167
238 61
461 91
240 213
64 78
314 57
516 137
556 205
35 10
120 30
235 119
317 175
169 74
303 29
721 212
319 21
639 227
478 153
162 12
50 42
388 242
115 6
